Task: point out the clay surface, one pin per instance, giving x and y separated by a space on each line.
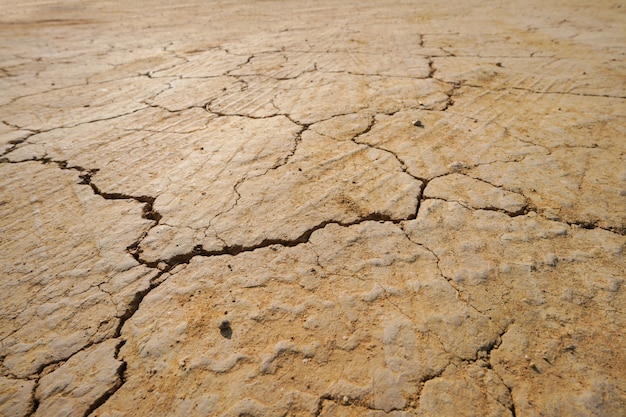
313 208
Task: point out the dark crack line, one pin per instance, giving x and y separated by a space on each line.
521 212
237 249
117 116
121 369
15 143
566 93
451 93
239 66
403 165
375 74
488 352
283 162
461 294
34 399
592 225
148 210
529 207
431 68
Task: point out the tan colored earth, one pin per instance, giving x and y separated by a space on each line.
313 208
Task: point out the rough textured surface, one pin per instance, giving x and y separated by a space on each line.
16 397
81 382
312 208
66 284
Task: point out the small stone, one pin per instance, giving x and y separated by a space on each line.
225 329
457 166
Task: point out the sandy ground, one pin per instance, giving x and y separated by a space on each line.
312 208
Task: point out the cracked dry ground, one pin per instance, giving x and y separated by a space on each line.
312 209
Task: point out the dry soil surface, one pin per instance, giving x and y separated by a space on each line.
312 208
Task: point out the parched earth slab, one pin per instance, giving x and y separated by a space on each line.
81 382
312 208
288 64
592 77
311 96
189 163
558 288
506 139
476 194
75 105
325 181
358 315
467 391
66 284
16 396
231 181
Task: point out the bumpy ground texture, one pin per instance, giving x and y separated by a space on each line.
312 208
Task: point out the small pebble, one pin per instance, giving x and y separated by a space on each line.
225 329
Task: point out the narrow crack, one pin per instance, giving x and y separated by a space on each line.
237 249
35 400
35 131
488 352
561 92
521 212
283 162
148 209
365 74
15 143
567 93
461 294
58 362
451 93
431 68
403 165
121 369
593 224
531 208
